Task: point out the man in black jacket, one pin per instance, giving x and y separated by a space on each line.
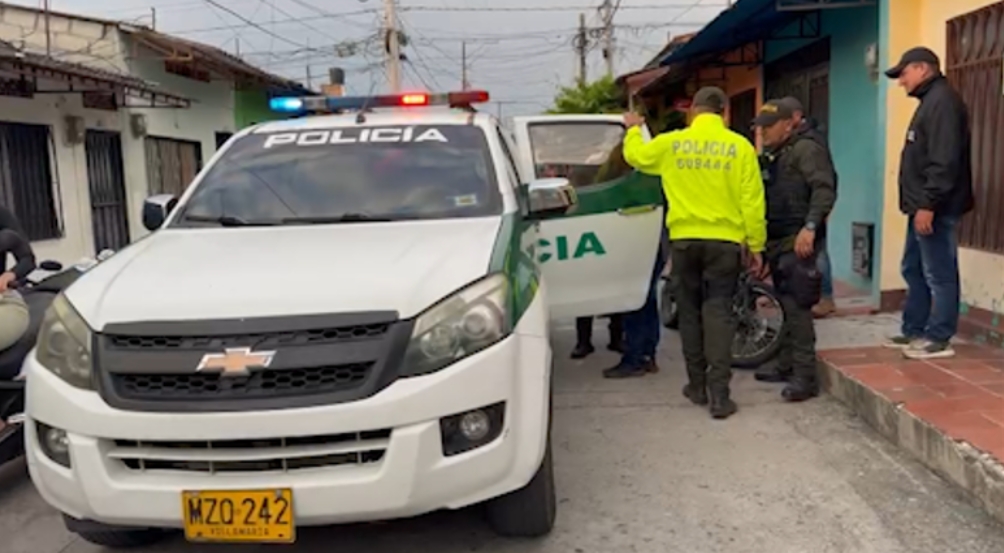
799 183
935 191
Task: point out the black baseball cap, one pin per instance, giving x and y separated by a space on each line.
913 55
793 104
773 111
711 97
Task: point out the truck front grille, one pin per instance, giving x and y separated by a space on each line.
262 455
263 384
312 360
259 340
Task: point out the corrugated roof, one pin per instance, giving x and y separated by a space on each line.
211 55
17 60
745 22
216 58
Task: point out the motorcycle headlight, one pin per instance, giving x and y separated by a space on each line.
464 323
64 344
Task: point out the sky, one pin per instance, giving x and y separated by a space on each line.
520 51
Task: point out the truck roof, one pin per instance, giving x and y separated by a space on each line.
383 117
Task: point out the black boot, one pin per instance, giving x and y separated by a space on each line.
582 350
623 371
616 328
583 338
722 407
773 374
696 393
800 389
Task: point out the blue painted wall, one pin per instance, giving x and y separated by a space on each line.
855 125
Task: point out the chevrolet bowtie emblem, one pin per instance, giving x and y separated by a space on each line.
235 361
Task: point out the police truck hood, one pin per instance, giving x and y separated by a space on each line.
227 273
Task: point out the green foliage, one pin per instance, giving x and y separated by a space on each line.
600 96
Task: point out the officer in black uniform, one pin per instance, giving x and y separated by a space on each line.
799 182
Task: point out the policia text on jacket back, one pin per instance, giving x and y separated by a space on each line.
800 184
716 208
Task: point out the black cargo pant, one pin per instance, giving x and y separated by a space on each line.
704 277
797 293
584 329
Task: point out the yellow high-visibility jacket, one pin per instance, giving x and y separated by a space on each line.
712 180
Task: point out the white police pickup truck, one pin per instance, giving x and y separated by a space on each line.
344 318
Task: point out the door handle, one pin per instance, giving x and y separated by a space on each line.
636 210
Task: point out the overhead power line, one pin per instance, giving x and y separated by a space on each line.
531 8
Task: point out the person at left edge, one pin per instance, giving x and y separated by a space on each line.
799 181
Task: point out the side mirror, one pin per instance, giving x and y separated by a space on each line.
156 209
51 266
551 198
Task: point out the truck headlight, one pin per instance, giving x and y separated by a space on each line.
464 323
64 344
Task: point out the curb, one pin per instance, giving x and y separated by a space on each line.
978 473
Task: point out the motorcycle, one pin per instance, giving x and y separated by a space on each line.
38 295
759 317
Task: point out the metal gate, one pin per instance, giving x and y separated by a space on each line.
742 110
803 74
974 66
109 212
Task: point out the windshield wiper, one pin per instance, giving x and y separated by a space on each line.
227 221
343 218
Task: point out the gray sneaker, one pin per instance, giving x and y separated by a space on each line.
929 350
902 342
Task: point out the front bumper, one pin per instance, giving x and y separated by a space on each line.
412 476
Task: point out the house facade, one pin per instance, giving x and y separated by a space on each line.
80 155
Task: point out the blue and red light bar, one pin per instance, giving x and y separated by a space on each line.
413 99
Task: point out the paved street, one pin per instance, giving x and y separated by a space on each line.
640 469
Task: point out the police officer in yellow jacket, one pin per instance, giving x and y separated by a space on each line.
712 181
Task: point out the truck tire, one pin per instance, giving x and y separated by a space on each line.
115 539
530 511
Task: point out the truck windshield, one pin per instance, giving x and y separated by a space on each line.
583 152
343 175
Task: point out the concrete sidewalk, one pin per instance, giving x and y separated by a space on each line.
947 413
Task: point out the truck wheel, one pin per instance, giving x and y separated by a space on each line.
124 539
528 512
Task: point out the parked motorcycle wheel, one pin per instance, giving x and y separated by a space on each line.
669 315
760 320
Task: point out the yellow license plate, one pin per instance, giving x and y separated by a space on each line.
239 516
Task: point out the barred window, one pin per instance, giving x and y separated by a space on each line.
974 67
26 184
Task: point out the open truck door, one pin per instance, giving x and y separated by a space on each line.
597 258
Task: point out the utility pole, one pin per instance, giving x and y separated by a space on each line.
48 37
606 10
464 84
310 78
581 43
153 18
393 46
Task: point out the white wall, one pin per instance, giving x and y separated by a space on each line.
69 168
102 46
211 111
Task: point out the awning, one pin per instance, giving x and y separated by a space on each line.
81 78
635 81
745 22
